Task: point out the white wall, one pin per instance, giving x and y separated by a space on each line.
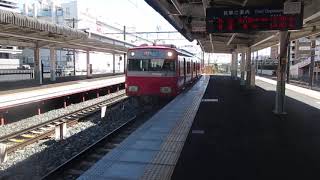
70 10
101 62
9 63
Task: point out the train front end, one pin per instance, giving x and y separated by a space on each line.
152 71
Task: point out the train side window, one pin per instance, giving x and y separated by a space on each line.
178 65
184 67
188 68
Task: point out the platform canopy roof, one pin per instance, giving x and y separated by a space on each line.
188 17
19 30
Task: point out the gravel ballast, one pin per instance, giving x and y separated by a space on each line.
35 160
38 119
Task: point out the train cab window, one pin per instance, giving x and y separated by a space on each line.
151 65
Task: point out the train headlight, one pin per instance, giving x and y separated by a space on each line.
165 90
170 54
132 54
133 88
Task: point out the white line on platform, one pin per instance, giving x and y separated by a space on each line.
210 100
307 92
197 131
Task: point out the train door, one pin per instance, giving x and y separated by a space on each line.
184 70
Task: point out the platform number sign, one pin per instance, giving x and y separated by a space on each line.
248 19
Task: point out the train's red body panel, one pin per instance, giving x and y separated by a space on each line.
159 71
149 86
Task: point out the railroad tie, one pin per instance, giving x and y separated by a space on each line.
16 140
37 132
28 135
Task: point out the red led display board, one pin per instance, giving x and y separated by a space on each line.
248 19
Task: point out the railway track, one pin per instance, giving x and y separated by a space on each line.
82 161
22 138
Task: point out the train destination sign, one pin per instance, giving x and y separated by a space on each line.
248 19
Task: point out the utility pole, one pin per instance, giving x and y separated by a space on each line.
124 33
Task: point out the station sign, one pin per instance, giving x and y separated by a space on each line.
248 19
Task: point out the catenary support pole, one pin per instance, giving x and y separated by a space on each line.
235 54
281 74
253 74
37 64
233 65
89 66
248 67
311 67
53 61
257 64
242 68
289 63
124 63
114 64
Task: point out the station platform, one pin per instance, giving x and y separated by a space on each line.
23 96
13 85
220 130
151 152
240 137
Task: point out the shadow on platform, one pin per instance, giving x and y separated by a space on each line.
242 139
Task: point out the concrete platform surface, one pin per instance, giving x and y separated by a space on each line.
152 151
28 95
13 85
311 93
238 137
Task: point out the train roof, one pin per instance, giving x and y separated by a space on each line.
172 47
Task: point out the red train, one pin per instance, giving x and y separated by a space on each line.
160 70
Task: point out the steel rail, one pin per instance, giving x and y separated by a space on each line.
70 118
60 170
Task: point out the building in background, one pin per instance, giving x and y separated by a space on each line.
10 55
300 54
49 11
74 14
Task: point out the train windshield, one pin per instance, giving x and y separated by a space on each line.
162 65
